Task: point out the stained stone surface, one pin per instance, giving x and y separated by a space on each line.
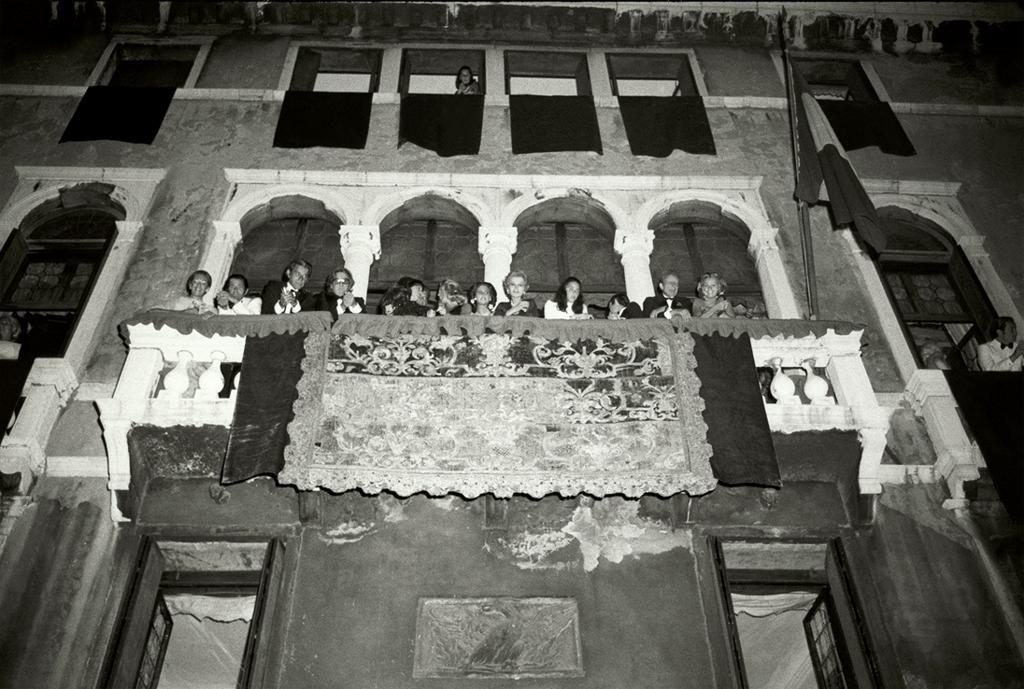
507 638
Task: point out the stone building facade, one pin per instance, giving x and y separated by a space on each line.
881 557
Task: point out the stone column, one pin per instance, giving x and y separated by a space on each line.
220 252
930 397
496 246
853 389
360 246
771 272
635 247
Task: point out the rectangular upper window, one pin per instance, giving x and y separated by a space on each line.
434 71
339 70
842 80
546 73
143 64
635 74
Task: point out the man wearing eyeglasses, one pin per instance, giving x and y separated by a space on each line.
337 297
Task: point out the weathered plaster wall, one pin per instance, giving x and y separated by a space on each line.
50 59
938 610
244 61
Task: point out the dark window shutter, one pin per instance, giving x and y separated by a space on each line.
850 625
972 291
137 617
11 259
718 559
307 66
254 660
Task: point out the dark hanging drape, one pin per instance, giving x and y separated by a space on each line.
862 124
119 113
271 369
992 404
738 429
449 125
657 126
318 118
554 123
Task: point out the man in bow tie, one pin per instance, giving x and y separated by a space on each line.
667 303
1003 352
288 296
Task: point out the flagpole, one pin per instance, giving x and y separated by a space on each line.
806 245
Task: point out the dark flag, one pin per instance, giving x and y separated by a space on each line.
824 172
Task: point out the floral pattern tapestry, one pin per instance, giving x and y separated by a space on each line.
500 413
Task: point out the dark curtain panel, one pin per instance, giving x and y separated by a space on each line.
449 125
657 126
734 412
318 118
13 373
271 369
858 125
992 404
554 123
119 113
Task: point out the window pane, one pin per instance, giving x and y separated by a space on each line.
646 87
342 83
542 86
431 83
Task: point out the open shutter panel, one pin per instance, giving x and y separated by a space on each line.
254 661
972 291
718 557
307 65
138 614
861 668
14 253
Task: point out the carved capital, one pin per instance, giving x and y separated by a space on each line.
498 240
357 239
635 242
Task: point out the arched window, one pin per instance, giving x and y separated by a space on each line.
50 262
695 237
570 236
940 302
429 238
285 228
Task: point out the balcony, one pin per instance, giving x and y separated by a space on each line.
626 394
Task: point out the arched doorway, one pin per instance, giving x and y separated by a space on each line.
696 237
569 236
284 228
430 238
941 304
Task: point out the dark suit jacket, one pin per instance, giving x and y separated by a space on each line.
322 301
272 293
652 303
532 311
633 311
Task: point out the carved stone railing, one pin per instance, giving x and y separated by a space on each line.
172 376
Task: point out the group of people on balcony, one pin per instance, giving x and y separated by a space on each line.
409 297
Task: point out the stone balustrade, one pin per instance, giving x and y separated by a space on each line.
174 378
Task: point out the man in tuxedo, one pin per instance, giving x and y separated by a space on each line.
667 303
289 296
1003 352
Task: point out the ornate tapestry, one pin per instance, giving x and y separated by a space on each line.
502 414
